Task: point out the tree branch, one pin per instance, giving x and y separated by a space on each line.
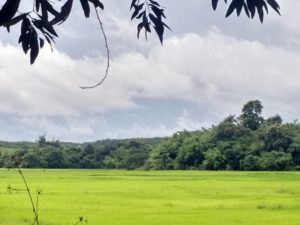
107 55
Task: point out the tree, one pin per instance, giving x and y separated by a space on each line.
250 162
276 139
232 158
276 120
42 141
163 156
251 114
275 161
55 159
88 150
1 160
294 149
33 160
38 25
213 160
190 154
226 129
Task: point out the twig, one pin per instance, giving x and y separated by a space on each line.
36 217
107 54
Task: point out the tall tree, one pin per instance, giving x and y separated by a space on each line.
251 114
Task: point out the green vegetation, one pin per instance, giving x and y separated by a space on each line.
153 197
246 142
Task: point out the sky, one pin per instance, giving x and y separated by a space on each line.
207 69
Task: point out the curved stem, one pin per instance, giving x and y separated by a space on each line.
107 55
36 218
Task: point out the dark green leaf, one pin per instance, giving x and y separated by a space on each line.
85 7
64 13
8 11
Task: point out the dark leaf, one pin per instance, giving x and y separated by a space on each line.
165 25
214 4
46 6
64 13
235 5
153 18
25 35
49 36
37 5
231 8
133 3
26 43
154 2
141 15
48 26
251 7
8 11
137 9
265 6
42 42
158 26
160 32
260 13
97 3
34 46
146 23
44 13
139 28
25 26
274 5
45 25
15 20
85 7
246 10
134 14
239 8
158 12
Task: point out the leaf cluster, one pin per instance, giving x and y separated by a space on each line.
250 7
38 25
151 14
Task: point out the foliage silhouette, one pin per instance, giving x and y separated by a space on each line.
39 24
250 7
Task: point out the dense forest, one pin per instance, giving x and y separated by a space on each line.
244 142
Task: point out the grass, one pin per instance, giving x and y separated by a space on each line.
153 197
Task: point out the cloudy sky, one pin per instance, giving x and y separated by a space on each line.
207 69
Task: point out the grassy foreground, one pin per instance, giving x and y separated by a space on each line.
153 198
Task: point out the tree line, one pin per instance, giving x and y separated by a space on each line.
244 142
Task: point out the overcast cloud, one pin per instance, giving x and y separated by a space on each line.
207 69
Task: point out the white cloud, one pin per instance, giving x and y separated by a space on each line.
214 69
72 128
186 122
141 130
290 16
192 67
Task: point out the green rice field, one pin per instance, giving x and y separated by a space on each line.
110 197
